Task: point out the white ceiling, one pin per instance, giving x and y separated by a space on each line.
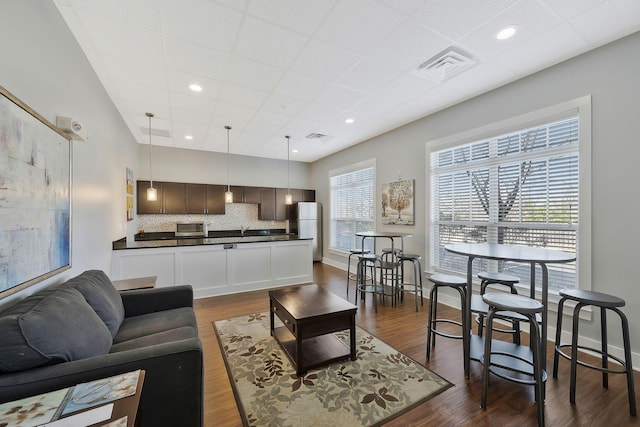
271 68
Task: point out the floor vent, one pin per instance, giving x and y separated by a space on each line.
318 137
156 132
445 64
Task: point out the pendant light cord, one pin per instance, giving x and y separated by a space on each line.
288 151
149 115
228 128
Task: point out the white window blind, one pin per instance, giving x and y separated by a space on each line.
352 210
519 188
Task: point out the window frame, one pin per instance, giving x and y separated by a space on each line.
580 107
365 164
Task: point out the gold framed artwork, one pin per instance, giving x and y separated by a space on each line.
398 203
129 185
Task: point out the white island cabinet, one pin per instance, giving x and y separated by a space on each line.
220 269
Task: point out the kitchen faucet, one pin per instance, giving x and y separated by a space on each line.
243 229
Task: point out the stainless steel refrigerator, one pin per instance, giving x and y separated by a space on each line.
305 220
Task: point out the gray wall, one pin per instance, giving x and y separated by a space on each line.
44 67
610 75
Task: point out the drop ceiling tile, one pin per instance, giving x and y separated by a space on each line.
242 95
300 87
324 62
357 25
201 21
301 16
143 14
404 6
320 112
454 19
240 5
190 116
302 124
189 102
195 59
179 81
531 18
535 54
253 74
373 106
283 104
340 97
405 87
408 46
132 91
597 23
265 42
135 70
567 9
126 40
368 76
271 118
234 112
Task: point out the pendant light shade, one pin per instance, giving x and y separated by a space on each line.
228 195
152 193
288 199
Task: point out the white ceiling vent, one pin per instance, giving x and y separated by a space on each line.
445 64
318 137
156 132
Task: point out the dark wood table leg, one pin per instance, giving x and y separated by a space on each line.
352 337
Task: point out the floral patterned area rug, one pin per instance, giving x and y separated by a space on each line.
380 385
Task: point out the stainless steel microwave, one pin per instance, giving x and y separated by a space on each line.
191 229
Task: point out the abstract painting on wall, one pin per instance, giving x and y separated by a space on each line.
398 203
35 197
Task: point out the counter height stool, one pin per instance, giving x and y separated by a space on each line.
480 308
354 276
529 308
369 261
416 261
440 281
604 302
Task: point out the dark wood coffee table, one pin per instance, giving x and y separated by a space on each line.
310 315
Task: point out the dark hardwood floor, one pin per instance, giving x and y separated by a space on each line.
509 404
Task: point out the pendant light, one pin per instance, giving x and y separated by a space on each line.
228 195
152 193
288 199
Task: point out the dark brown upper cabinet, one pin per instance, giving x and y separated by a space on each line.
196 199
171 198
215 199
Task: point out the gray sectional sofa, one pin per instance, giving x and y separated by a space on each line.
83 330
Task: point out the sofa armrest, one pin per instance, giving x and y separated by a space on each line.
172 393
143 301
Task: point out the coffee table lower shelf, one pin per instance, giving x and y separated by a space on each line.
318 351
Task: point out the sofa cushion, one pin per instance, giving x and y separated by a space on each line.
152 323
159 338
60 327
100 293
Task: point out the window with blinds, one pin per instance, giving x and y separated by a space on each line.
352 210
519 188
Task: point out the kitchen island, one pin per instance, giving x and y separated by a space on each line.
216 265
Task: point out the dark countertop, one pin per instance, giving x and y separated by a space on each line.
168 240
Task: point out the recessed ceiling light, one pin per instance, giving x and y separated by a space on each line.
349 121
195 87
506 32
189 137
294 151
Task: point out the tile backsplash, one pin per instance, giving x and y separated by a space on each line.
236 215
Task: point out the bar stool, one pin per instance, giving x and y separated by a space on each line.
604 302
416 261
529 308
354 276
367 261
480 308
440 281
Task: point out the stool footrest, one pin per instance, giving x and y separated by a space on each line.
444 334
623 369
